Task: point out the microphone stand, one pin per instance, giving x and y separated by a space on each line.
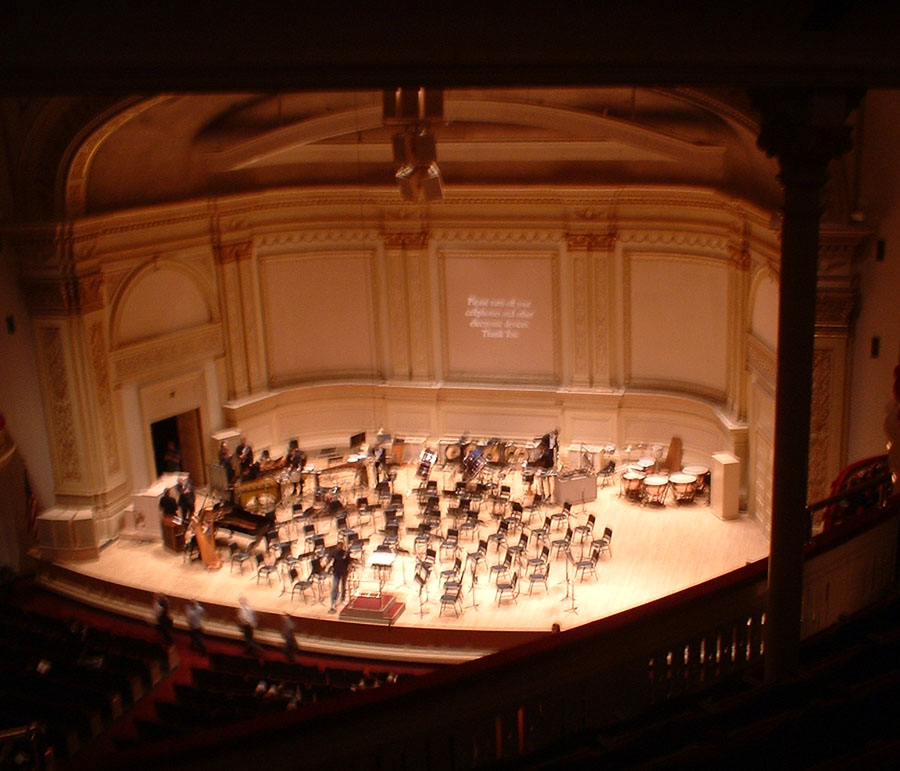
570 587
472 587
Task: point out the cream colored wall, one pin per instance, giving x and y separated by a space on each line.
622 331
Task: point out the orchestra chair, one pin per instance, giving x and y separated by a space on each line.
604 542
238 555
422 538
309 535
299 584
606 473
470 526
452 573
539 575
561 516
518 550
499 536
540 559
452 599
537 502
586 530
191 550
450 542
318 575
561 545
508 588
264 569
542 533
477 557
501 568
391 535
514 520
586 565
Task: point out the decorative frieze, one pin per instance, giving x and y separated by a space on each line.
145 359
762 361
820 425
417 240
104 396
62 418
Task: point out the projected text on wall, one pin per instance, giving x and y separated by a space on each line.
499 317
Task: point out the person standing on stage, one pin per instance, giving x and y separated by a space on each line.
195 614
340 566
186 499
226 461
168 505
163 617
244 453
247 622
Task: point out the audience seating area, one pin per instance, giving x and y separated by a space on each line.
840 712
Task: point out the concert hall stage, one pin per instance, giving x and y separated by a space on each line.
655 550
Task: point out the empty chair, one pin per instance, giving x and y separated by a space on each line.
542 533
423 537
298 584
470 526
540 559
588 564
562 516
238 556
477 557
452 573
534 507
264 569
452 599
391 535
309 535
501 568
499 536
604 542
450 542
561 544
508 589
539 575
518 550
607 472
586 530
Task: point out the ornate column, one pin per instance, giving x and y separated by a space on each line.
805 130
409 306
67 304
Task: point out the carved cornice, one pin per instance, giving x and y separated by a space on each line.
144 359
234 252
675 238
834 312
484 235
316 236
592 241
739 248
418 240
64 296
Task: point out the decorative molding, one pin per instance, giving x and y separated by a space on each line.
76 177
494 235
104 396
592 241
820 425
90 293
739 248
417 240
146 359
601 317
671 238
763 361
316 236
398 316
834 312
582 332
61 414
419 316
240 251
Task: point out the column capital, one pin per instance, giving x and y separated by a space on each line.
805 128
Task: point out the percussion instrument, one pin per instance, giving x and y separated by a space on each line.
700 472
683 486
473 462
633 484
495 451
655 489
426 461
452 453
518 455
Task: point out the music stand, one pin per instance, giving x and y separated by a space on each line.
570 586
473 585
422 581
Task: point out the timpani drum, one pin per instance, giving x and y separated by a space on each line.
452 453
655 488
702 474
633 484
683 487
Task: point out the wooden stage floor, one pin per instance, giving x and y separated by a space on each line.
656 550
